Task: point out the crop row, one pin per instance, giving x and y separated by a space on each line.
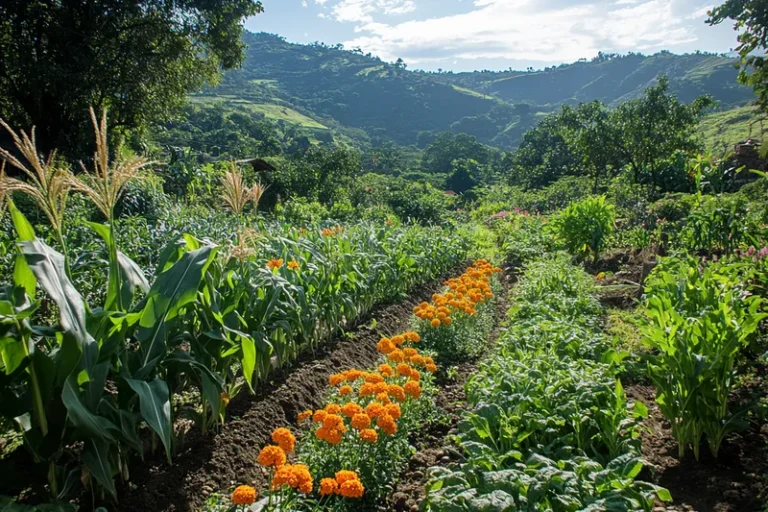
549 426
353 448
85 388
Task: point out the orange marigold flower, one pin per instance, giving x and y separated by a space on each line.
319 416
383 398
387 424
374 409
272 456
304 416
380 387
396 356
398 340
361 421
396 392
403 370
345 475
385 346
283 437
352 489
435 322
333 408
386 370
284 475
415 375
244 495
374 378
394 411
369 435
410 352
413 336
328 486
335 379
418 360
447 320
412 389
293 265
329 435
333 421
352 375
431 368
429 360
367 389
304 482
275 263
345 390
350 409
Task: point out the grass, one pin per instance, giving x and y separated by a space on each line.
623 325
724 129
270 111
473 93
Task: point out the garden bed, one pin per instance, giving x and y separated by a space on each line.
208 463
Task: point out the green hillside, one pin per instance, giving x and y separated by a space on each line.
361 99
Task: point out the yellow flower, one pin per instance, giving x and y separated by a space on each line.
293 265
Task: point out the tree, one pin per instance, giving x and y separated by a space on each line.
438 157
137 59
751 20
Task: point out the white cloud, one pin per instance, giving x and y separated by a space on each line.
700 12
517 29
304 3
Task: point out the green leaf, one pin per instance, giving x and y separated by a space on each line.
663 494
96 458
171 291
155 408
22 275
91 425
132 278
112 302
249 359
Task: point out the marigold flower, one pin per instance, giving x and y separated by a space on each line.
374 378
272 456
303 478
284 475
403 370
319 416
293 265
435 322
352 489
275 263
283 437
428 360
408 352
412 389
380 387
385 346
396 392
369 435
447 320
383 398
361 421
386 370
352 375
335 379
431 368
333 408
398 340
374 409
367 389
386 423
333 421
328 486
350 409
415 375
413 336
329 435
244 495
417 360
396 356
345 390
394 411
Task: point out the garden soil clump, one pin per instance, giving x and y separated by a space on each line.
735 482
216 462
432 442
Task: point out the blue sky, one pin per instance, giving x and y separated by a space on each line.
464 35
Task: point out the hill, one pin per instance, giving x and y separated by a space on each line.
327 91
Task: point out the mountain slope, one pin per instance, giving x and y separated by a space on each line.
360 98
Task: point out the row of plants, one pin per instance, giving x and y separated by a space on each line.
351 450
548 425
86 384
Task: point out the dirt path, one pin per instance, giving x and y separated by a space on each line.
218 461
433 441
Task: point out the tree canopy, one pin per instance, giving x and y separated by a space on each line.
138 59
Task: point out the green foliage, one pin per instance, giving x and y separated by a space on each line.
585 226
750 19
718 224
523 237
548 427
136 60
440 155
699 321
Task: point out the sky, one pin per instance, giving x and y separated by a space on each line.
466 35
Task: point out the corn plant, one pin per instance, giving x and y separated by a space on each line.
699 321
585 226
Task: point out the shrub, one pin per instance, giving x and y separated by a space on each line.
585 226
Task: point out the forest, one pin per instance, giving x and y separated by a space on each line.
243 274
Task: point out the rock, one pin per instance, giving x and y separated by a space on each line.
400 500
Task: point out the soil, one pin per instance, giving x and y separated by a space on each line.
208 463
434 443
737 481
626 271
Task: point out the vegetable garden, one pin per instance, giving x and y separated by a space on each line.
236 361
